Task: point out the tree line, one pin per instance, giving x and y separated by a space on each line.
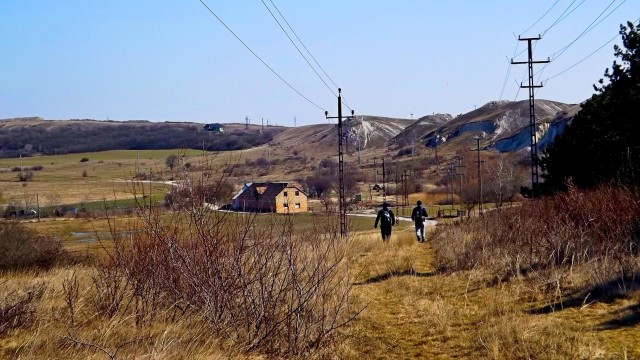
88 136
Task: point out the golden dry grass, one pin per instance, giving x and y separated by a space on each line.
412 311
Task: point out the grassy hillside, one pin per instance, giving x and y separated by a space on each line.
32 136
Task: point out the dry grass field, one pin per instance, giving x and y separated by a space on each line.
433 300
411 310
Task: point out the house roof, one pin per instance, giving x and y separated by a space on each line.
268 190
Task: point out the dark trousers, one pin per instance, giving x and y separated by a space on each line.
420 230
385 231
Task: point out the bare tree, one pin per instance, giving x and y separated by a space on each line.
172 161
501 182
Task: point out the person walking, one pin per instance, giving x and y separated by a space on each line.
387 220
418 216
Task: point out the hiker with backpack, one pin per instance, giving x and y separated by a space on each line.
387 220
418 216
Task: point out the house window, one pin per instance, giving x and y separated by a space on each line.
297 193
285 193
297 205
286 206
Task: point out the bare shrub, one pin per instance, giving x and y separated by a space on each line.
17 309
70 290
21 247
84 159
25 175
253 281
599 226
85 173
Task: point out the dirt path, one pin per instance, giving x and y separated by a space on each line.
413 312
408 314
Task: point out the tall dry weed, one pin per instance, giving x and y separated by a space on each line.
598 227
251 279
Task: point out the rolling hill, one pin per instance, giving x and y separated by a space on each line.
29 136
503 125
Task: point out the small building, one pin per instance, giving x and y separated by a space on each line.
214 127
279 197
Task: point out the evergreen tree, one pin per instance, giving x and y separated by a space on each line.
603 141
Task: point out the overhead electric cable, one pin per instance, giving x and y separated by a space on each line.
558 20
563 16
591 26
588 29
506 78
541 17
305 47
297 48
258 57
586 57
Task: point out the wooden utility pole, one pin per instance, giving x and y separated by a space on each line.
535 185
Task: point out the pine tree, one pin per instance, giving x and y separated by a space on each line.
602 143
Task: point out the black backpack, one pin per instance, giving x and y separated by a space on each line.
419 215
386 217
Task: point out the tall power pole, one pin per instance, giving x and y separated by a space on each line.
384 182
342 200
459 172
479 162
535 185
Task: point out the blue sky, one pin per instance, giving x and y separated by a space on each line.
170 60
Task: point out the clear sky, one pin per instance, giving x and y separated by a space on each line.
171 60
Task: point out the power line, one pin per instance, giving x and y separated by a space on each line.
305 48
563 16
258 57
297 48
586 57
588 29
541 17
558 20
506 78
303 45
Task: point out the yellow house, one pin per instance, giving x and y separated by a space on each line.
279 197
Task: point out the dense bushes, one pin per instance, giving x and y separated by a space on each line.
598 227
21 247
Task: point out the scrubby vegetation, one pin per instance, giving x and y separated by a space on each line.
190 282
596 231
22 248
88 136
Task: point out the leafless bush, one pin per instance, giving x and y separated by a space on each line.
254 280
21 247
16 308
599 226
70 289
25 175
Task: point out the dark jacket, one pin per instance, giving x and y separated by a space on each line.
417 211
381 214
